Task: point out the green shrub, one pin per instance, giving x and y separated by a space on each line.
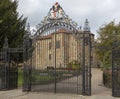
74 64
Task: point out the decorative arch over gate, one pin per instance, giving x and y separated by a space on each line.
56 17
55 25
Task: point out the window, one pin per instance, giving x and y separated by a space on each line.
87 41
57 44
50 57
50 46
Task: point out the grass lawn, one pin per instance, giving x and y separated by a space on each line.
19 77
45 77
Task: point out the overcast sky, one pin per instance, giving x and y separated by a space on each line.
98 12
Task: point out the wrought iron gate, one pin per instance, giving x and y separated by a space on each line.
116 73
59 62
57 67
8 71
59 59
9 67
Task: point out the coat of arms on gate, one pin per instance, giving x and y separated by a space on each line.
56 11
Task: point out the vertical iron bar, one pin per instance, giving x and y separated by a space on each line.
8 69
83 64
112 73
25 56
55 61
89 67
30 71
6 76
64 49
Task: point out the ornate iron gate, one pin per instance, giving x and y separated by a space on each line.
59 59
8 70
9 67
57 67
116 73
59 62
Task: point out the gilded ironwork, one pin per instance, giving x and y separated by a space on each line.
59 61
56 17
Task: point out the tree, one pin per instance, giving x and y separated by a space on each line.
11 24
108 37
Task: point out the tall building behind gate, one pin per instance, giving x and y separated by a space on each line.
57 45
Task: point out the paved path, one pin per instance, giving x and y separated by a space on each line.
69 85
97 83
98 91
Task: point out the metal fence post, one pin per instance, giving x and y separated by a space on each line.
90 59
83 64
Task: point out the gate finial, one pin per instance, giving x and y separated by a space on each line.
86 27
28 28
5 43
